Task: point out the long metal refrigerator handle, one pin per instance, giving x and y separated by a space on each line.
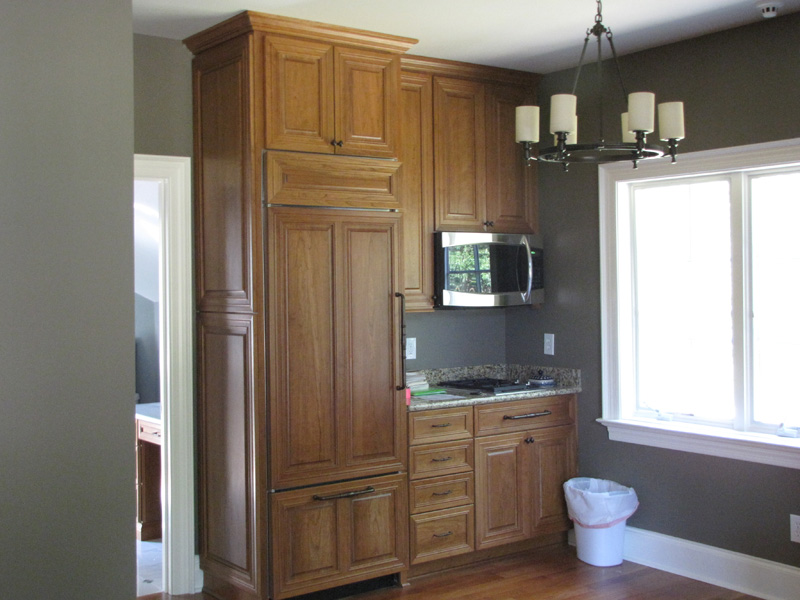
402 338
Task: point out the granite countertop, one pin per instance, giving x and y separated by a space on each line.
150 411
568 381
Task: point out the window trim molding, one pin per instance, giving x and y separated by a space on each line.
712 441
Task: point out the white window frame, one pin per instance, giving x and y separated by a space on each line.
715 441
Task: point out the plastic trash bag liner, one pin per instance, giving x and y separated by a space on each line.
599 503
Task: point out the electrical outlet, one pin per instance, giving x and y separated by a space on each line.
411 348
550 343
794 521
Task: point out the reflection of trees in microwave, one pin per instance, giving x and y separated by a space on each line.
469 269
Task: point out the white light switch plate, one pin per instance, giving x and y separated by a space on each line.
550 343
411 348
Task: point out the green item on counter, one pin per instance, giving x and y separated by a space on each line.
429 391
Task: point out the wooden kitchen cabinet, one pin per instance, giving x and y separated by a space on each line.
511 197
509 495
148 479
300 297
462 169
442 488
330 99
415 152
519 475
334 344
459 145
335 534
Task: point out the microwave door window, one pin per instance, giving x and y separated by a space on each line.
468 269
486 268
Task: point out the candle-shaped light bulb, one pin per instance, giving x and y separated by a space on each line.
670 121
562 112
527 124
628 136
572 136
641 111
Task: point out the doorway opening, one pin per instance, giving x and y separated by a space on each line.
162 213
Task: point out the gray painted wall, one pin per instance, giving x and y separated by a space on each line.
739 87
162 77
67 509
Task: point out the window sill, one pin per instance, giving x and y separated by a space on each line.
752 447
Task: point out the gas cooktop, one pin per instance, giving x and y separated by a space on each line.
486 384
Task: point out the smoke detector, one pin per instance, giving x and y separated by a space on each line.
769 9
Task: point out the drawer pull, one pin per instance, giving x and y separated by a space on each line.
544 413
442 425
442 535
445 459
367 490
447 493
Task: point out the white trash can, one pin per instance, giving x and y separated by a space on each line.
599 508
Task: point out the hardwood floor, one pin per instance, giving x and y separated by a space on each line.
551 573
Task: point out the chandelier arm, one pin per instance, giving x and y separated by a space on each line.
580 64
610 38
600 100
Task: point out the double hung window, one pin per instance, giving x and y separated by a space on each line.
701 290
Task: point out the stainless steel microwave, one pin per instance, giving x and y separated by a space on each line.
487 269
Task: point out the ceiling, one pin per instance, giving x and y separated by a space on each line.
541 36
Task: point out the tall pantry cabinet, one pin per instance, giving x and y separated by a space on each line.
301 426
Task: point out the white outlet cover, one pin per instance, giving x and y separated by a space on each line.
794 522
411 348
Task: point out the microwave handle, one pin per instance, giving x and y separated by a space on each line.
527 295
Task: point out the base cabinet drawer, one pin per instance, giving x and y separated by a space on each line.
440 425
442 533
339 533
429 460
523 415
446 491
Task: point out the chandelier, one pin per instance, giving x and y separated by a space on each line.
637 122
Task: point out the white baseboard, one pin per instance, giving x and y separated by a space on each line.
732 570
198 575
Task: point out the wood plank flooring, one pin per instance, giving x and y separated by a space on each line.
551 573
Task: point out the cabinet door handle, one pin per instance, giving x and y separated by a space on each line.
544 413
367 490
336 143
442 425
402 338
442 535
447 493
445 459
529 440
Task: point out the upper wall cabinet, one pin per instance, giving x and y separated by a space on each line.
481 182
461 168
316 87
328 99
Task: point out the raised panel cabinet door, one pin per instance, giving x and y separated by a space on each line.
304 399
501 490
415 151
366 100
459 141
511 200
339 533
553 461
377 526
305 539
334 340
226 264
299 95
372 411
228 449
